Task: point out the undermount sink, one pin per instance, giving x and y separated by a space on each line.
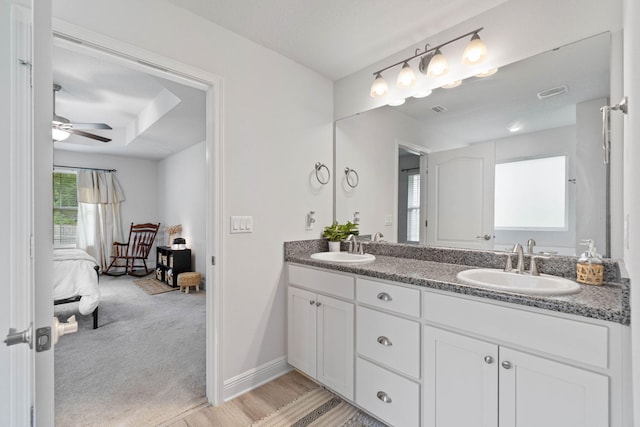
343 257
543 284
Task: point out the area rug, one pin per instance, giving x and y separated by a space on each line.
153 286
317 407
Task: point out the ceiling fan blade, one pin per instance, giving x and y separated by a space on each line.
88 135
91 126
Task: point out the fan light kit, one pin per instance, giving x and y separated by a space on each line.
62 128
432 63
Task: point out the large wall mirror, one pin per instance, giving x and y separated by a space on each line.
494 161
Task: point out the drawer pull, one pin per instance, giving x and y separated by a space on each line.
384 397
506 365
383 296
384 341
488 359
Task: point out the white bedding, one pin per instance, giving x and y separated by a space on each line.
74 275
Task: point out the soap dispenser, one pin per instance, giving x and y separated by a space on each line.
589 269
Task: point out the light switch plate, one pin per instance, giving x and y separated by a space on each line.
388 220
241 224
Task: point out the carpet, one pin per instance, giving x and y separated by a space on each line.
318 407
143 366
153 286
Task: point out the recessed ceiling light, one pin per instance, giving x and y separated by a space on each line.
396 102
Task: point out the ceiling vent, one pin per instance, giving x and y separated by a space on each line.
439 108
554 91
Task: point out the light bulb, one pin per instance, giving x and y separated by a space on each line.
453 84
438 66
475 52
396 102
422 94
487 73
406 77
379 87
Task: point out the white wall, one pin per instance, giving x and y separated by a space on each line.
138 178
631 180
277 125
181 199
369 142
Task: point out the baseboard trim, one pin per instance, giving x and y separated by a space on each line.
255 377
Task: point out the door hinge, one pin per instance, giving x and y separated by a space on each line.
426 223
213 260
28 64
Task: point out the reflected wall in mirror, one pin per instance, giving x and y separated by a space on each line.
495 161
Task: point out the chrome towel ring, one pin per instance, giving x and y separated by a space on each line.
352 177
319 167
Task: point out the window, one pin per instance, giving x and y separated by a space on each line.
531 194
65 208
413 208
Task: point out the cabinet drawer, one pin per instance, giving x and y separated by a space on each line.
580 341
388 339
375 384
322 281
390 297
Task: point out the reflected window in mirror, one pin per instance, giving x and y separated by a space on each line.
531 194
413 208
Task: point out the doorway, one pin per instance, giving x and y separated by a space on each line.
411 194
92 45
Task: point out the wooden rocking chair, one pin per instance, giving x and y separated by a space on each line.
141 237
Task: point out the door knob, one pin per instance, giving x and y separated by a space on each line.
506 364
488 359
60 329
14 337
485 237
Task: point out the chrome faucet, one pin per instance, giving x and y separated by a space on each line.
353 243
517 249
378 237
530 245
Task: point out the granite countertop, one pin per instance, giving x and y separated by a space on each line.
609 301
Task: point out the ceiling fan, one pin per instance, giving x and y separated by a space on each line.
62 127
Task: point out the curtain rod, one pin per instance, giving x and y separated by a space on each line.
79 167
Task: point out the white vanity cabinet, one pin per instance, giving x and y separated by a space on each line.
320 327
388 351
559 376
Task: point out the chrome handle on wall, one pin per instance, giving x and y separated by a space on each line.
488 359
383 296
384 397
506 365
384 341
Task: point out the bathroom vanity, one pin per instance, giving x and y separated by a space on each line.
405 340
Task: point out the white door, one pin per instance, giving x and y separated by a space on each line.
460 197
538 392
301 330
25 75
461 380
335 345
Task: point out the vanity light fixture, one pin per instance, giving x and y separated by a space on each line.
452 84
396 102
475 52
487 73
379 87
432 63
422 93
406 77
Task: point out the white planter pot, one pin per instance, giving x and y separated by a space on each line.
334 246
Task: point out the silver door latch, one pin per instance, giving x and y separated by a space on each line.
14 337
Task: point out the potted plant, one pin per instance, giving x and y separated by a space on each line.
335 233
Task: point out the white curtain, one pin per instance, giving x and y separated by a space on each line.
99 222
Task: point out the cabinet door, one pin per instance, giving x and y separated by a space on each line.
460 380
301 330
335 345
538 392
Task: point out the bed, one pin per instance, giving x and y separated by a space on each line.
75 278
